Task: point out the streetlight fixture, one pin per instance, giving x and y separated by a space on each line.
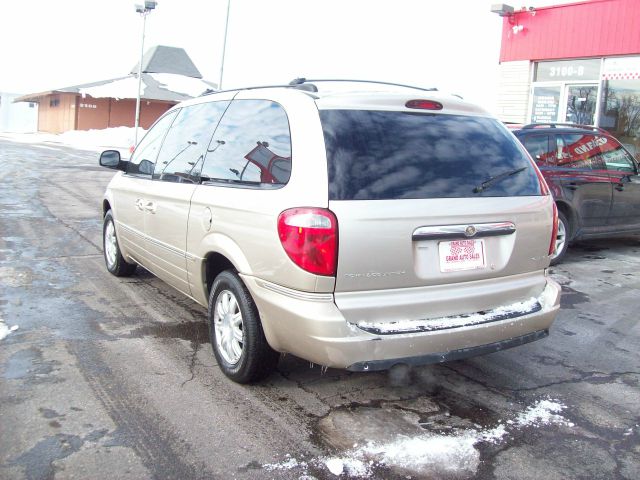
143 10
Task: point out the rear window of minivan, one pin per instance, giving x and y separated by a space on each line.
382 155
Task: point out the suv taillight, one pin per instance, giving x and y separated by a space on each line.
310 238
554 230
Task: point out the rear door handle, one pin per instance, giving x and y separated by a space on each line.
150 207
140 204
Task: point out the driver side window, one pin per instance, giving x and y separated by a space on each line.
144 157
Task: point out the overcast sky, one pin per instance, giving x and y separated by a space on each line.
451 44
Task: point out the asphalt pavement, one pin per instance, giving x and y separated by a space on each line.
114 378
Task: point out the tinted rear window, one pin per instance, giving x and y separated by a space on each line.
380 155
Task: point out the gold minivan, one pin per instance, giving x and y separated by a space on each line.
355 228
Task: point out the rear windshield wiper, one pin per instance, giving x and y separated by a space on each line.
496 178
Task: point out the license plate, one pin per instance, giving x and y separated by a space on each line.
459 255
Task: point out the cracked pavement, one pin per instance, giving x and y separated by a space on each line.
114 378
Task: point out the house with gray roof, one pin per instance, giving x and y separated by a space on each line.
168 77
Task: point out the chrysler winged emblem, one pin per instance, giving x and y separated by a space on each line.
470 231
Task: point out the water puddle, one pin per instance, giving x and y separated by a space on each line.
28 363
195 332
570 297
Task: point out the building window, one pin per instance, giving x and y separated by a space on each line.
565 91
54 102
546 101
568 70
621 112
620 101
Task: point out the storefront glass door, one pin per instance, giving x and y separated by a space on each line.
581 104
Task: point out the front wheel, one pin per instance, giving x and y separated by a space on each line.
116 264
237 338
562 239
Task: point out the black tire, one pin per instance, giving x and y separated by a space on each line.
116 264
562 239
247 360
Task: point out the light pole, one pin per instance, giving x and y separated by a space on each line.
224 45
143 10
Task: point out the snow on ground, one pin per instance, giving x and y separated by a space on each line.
119 138
5 329
454 453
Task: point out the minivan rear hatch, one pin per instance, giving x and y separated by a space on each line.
431 197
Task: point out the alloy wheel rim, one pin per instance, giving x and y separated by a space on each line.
561 238
229 331
110 244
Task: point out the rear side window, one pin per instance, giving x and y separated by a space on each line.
380 155
539 148
579 150
182 153
252 146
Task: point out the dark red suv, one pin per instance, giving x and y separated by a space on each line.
594 180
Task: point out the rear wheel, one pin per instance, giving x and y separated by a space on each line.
116 264
237 338
562 239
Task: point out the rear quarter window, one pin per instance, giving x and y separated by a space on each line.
381 155
251 146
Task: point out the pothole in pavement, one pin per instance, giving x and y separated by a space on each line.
441 436
419 436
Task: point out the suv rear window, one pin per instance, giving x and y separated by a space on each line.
382 155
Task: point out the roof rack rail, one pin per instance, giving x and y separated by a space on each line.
305 87
563 125
305 81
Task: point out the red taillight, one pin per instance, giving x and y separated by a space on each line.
424 104
554 230
310 238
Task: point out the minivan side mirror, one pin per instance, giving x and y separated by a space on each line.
112 159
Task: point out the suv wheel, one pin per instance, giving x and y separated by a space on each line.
562 239
116 264
237 338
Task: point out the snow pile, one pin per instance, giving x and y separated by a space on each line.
98 140
443 453
544 412
351 466
119 138
192 87
457 452
288 464
5 330
453 453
